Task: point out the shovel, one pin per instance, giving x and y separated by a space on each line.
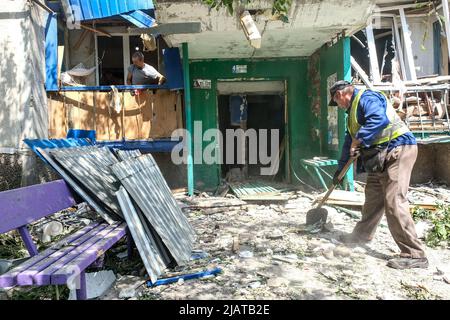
315 215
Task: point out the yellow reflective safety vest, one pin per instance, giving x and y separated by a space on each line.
394 129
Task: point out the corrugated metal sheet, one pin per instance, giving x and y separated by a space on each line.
255 191
139 18
127 154
143 180
97 9
149 251
55 143
92 167
76 186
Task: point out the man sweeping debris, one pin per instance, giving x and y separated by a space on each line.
388 151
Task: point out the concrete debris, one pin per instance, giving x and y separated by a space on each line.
277 282
122 255
342 251
49 230
6 264
129 286
246 254
268 252
97 284
422 228
288 258
236 245
255 285
275 235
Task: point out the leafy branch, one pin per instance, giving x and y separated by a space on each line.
280 7
440 220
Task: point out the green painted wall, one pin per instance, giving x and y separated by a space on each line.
204 105
325 62
335 59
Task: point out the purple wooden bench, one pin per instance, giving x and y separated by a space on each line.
64 261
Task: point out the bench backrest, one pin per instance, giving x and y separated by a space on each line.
19 207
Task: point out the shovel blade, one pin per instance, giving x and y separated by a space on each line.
315 215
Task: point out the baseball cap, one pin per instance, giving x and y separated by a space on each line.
339 85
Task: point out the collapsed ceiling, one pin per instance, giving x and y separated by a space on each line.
312 23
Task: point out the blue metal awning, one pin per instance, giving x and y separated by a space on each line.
97 9
139 18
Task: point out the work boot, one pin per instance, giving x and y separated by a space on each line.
408 263
351 238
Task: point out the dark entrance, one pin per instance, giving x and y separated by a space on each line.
264 111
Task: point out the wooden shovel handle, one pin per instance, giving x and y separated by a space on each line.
340 176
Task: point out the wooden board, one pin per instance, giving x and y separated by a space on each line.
264 197
57 120
147 116
349 198
108 123
343 197
166 109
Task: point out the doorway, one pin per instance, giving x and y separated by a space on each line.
264 110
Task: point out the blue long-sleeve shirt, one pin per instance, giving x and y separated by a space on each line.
373 119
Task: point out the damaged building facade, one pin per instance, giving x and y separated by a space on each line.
405 53
82 84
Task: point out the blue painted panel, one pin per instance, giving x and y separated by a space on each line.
160 145
97 9
55 143
108 88
173 68
51 53
196 275
82 134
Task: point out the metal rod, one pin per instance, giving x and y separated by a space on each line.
447 24
188 111
420 113
446 108
57 292
103 33
43 6
433 109
408 45
407 117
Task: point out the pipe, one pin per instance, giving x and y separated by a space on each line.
43 6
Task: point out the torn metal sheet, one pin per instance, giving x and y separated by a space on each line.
257 191
77 188
126 154
147 247
144 182
92 167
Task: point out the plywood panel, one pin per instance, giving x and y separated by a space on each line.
150 115
135 106
108 122
80 110
165 106
57 126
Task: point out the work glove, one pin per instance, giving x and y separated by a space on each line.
336 177
355 152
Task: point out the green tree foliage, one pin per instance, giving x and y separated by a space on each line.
280 7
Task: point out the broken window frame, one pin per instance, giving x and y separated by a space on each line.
126 57
428 88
